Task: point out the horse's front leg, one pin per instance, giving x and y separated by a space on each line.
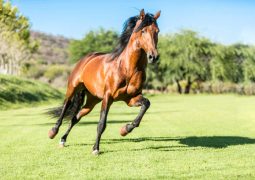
135 102
107 101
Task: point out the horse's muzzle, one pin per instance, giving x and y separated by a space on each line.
152 58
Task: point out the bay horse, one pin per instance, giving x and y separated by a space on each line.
116 76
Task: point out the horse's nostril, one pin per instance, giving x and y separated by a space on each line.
151 58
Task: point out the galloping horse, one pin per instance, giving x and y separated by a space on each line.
116 76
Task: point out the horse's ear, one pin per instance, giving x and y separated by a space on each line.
156 16
142 14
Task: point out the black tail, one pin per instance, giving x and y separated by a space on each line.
73 108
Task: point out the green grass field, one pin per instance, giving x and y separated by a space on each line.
183 137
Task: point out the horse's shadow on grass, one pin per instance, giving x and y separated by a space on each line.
185 143
216 141
194 141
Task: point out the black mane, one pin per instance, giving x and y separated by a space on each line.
128 29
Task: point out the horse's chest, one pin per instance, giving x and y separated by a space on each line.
135 83
130 86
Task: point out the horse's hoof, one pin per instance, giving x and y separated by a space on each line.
123 131
52 133
95 152
61 144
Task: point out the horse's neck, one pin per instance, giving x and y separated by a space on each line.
133 60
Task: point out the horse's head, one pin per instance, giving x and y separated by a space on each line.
146 35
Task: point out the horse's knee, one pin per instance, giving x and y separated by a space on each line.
146 103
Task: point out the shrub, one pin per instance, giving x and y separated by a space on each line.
55 71
32 69
249 89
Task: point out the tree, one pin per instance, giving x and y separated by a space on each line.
185 56
94 41
12 52
226 64
14 39
249 65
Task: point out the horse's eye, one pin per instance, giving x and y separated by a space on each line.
143 31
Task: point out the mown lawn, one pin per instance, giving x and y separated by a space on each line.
184 137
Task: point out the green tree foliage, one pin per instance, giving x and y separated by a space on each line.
94 41
15 22
249 64
184 56
226 63
14 39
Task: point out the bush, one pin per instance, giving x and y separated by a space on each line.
32 69
217 87
227 87
54 71
222 88
249 89
206 87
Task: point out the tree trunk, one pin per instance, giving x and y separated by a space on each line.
188 86
8 66
1 63
179 88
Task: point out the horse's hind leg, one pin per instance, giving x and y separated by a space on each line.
86 109
134 102
53 132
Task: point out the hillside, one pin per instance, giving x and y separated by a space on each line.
16 91
52 48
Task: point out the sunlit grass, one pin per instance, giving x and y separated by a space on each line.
198 136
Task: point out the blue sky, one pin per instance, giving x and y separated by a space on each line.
224 21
